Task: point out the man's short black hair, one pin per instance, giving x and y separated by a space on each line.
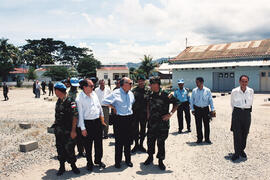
155 79
83 83
243 76
200 79
60 89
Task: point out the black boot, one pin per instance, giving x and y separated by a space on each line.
148 160
136 147
62 169
75 169
141 148
161 165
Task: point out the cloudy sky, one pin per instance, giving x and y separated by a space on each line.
120 31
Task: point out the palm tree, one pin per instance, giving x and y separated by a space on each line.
147 65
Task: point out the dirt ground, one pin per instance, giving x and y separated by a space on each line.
184 158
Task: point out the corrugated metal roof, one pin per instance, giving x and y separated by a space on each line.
19 71
258 48
113 68
216 64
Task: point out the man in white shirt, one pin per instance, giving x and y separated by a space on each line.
91 119
102 92
241 102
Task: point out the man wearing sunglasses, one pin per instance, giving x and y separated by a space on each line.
121 101
91 119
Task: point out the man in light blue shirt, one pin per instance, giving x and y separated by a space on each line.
121 101
182 95
200 100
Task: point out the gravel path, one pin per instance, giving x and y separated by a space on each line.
184 159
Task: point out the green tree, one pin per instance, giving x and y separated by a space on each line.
72 54
31 75
43 51
57 73
87 66
147 65
9 57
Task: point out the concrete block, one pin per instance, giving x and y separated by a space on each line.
50 130
25 125
28 146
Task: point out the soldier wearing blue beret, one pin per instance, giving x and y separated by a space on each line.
66 116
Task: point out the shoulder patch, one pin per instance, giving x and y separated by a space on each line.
73 105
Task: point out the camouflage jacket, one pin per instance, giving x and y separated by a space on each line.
72 94
159 106
141 95
65 110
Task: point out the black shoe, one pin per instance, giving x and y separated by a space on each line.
136 148
188 130
199 141
235 157
117 165
80 155
149 160
161 165
75 169
129 163
61 170
208 141
243 154
89 166
142 149
101 165
180 132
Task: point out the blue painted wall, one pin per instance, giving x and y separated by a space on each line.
190 75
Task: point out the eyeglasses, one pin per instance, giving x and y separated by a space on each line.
129 83
91 86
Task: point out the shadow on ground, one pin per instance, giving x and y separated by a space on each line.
198 144
151 169
229 158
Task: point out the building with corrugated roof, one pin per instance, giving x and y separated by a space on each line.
221 65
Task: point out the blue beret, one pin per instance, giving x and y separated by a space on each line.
60 85
181 81
74 82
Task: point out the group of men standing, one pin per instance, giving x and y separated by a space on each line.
134 110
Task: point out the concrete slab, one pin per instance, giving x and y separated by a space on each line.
28 146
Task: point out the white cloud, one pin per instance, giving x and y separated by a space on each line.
132 28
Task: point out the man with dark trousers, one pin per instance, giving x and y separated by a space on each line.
5 91
200 100
91 119
140 113
73 92
121 101
66 116
182 95
241 102
158 120
50 86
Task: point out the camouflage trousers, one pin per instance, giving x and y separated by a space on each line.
65 145
157 134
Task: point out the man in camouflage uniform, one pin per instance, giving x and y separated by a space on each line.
140 113
66 116
73 92
158 120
